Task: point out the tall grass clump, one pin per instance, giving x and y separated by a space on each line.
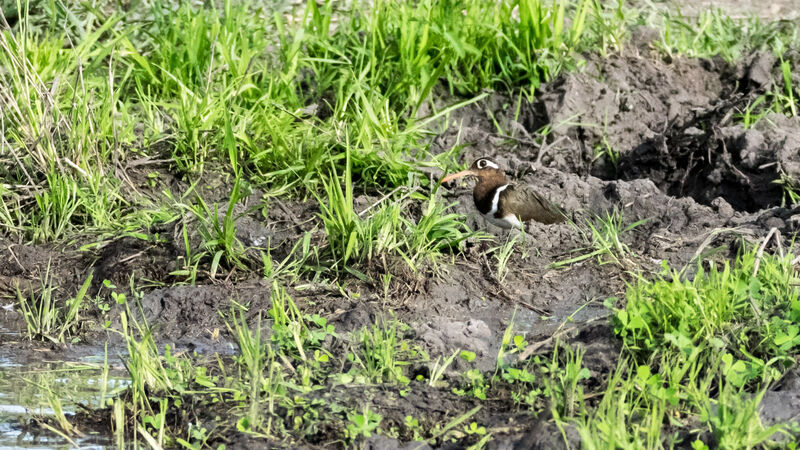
191 67
61 121
402 50
355 238
49 317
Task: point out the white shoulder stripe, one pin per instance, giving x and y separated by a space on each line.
496 200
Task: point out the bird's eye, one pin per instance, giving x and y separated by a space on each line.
481 164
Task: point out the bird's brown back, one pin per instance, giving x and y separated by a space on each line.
527 204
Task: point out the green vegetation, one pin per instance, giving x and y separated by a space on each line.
604 241
218 233
706 348
44 314
714 33
170 123
276 103
205 82
696 350
269 385
385 232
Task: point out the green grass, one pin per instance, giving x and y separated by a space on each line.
697 355
706 347
791 190
603 237
382 230
787 97
713 33
749 307
46 315
217 230
206 81
263 387
503 253
381 355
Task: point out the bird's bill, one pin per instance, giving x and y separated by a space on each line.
458 175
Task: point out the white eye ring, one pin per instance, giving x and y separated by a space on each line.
481 164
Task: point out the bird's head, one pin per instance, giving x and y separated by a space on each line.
482 168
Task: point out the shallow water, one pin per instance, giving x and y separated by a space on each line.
33 382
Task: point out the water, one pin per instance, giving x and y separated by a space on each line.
31 380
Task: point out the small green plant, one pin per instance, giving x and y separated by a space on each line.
414 427
467 355
342 224
525 389
436 231
562 381
474 384
734 419
219 234
45 315
752 115
58 207
290 267
604 150
474 428
144 364
788 98
382 355
363 424
191 260
254 357
502 254
791 190
610 24
300 337
197 438
605 241
437 369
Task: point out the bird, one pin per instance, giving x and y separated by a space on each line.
504 204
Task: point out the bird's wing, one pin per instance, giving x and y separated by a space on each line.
527 204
